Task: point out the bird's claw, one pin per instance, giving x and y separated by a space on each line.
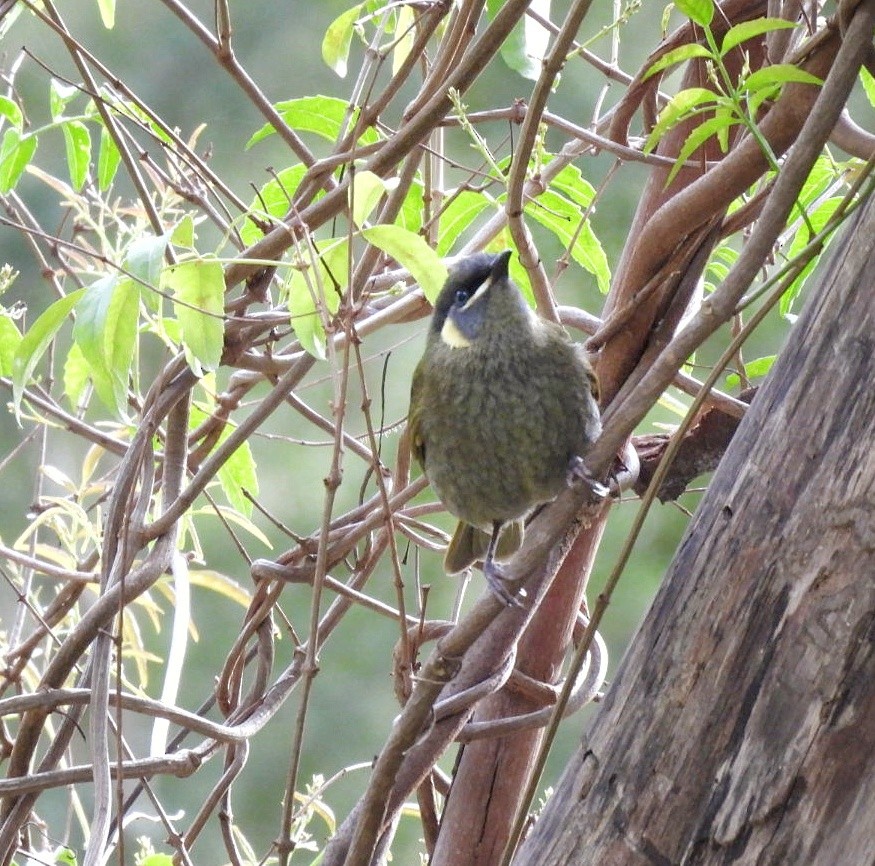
577 471
500 586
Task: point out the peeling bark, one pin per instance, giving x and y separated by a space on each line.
741 726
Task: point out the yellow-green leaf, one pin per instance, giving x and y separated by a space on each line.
198 288
338 38
412 252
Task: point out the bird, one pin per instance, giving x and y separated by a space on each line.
503 406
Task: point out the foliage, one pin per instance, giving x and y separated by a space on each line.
183 327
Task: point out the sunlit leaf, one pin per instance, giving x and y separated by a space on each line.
76 374
77 143
338 38
60 93
198 286
16 152
10 339
11 112
107 13
106 332
365 192
108 159
412 252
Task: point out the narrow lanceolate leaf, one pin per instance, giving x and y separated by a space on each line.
145 259
35 342
715 126
16 152
11 112
198 286
675 56
338 38
412 252
107 13
10 339
108 159
781 73
751 29
106 333
458 216
678 108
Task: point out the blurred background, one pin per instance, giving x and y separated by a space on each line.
353 705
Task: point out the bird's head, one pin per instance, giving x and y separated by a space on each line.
478 299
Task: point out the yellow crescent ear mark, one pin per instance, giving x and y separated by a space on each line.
452 336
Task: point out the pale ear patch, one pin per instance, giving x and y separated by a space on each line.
452 336
481 291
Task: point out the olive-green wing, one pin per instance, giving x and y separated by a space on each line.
414 415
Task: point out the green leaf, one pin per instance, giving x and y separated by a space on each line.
561 216
35 342
405 30
338 38
751 29
199 287
76 374
458 216
308 292
412 252
16 152
676 55
678 108
321 115
65 856
365 193
11 112
699 11
868 84
755 369
108 159
775 76
107 13
238 473
524 49
183 233
77 142
106 332
10 339
272 202
412 209
59 95
718 126
818 217
144 261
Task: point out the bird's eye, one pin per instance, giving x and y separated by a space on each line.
462 296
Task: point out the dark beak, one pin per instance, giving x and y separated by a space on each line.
499 265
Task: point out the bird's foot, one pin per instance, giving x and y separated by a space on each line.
500 586
577 471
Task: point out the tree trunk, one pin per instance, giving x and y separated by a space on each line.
741 726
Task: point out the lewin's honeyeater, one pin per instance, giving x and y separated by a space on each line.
502 407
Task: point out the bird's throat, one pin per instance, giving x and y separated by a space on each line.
453 336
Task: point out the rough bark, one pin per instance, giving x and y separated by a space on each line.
741 726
